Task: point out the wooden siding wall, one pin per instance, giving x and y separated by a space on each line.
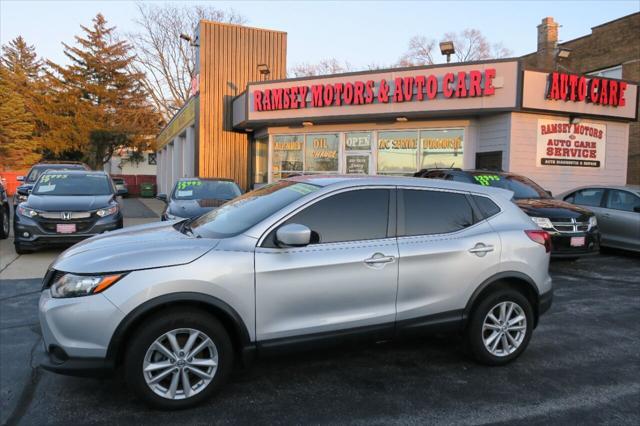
229 57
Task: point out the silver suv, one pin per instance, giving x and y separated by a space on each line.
307 260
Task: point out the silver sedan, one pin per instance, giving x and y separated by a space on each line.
617 209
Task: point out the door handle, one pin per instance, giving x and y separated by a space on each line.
378 258
481 249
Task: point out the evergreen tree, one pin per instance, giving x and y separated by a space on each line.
20 82
98 94
16 127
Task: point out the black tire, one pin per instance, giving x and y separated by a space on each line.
21 250
5 223
152 329
475 333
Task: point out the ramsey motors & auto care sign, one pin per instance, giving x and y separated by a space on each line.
462 84
564 144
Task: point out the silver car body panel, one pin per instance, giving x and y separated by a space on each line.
618 228
286 292
138 247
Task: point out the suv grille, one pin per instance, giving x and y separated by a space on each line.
569 225
83 220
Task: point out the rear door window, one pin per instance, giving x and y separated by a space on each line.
426 212
486 206
622 200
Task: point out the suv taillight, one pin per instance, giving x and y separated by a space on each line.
540 237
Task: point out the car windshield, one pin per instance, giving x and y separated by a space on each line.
522 187
196 189
35 172
72 184
249 209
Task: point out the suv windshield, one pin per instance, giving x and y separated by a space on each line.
38 170
249 209
196 189
520 185
73 184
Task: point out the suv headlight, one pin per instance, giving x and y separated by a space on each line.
107 211
593 222
70 285
542 222
26 211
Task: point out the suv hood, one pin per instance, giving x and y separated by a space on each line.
71 203
153 245
550 208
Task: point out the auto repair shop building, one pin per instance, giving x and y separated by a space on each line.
562 130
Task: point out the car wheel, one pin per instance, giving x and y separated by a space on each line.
500 327
178 359
5 226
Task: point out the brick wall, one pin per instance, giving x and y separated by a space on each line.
610 44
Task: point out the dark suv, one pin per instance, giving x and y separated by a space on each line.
22 192
574 230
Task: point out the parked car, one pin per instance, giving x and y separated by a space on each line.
302 262
5 213
22 192
617 209
65 207
192 197
574 230
121 187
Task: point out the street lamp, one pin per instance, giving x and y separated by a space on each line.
563 53
447 48
188 38
264 70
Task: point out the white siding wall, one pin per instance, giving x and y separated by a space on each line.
560 178
493 134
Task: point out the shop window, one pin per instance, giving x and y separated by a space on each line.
441 148
397 152
260 161
287 156
321 153
613 72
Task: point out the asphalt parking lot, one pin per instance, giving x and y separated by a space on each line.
582 367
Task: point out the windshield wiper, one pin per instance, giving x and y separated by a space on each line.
185 227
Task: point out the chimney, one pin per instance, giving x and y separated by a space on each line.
547 41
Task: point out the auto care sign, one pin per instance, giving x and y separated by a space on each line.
575 145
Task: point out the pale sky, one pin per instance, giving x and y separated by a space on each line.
360 32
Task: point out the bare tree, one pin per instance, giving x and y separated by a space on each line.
167 61
470 45
420 52
324 67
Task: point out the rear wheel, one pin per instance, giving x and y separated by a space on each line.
178 359
500 327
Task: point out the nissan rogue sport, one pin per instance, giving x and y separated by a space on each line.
304 261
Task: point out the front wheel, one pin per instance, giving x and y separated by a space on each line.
178 359
500 327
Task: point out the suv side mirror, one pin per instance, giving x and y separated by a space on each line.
20 178
293 235
162 197
549 192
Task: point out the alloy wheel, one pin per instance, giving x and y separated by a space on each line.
504 328
180 364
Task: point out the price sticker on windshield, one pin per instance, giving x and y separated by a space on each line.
485 180
184 184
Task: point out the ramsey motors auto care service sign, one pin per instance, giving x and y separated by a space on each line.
576 145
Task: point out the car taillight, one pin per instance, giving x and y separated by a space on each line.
540 237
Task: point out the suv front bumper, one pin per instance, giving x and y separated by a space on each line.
76 333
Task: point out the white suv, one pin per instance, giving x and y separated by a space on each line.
307 260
